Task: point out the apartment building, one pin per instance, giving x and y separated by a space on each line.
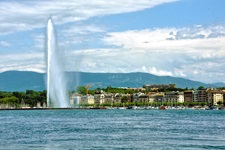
144 99
173 97
202 95
156 97
189 96
214 96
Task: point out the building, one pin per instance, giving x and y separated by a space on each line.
99 98
174 97
149 87
87 100
156 97
144 99
195 96
141 89
202 95
135 97
117 98
214 96
108 98
189 96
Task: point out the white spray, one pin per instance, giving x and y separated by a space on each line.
57 95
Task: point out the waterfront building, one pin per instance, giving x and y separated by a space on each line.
195 96
99 98
152 96
87 99
174 97
135 97
156 97
117 98
202 95
159 97
214 96
144 99
223 95
188 96
108 98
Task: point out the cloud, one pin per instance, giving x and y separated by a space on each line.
79 35
175 38
23 62
151 51
189 52
28 15
82 29
154 71
4 44
195 52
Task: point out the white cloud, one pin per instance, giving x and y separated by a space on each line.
23 62
81 34
177 52
193 52
157 72
168 38
27 15
82 29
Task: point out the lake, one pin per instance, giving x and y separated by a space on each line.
112 129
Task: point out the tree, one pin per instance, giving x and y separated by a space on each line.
81 90
219 103
10 100
19 95
200 88
124 99
5 94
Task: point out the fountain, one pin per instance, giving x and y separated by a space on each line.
57 95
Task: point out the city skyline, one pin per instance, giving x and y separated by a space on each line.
180 38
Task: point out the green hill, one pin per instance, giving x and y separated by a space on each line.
23 80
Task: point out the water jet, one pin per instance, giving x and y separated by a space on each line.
57 96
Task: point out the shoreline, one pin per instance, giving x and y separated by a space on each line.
51 108
111 108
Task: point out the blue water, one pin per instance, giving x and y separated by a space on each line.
112 129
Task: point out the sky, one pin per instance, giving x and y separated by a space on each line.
179 38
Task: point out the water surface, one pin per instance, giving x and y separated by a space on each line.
112 129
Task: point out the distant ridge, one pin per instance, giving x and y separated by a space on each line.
23 80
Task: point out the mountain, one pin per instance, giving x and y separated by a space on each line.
23 80
136 79
219 84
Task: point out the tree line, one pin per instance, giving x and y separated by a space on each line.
29 97
32 97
